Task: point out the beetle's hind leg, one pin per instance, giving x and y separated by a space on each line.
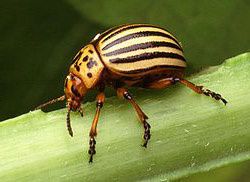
202 90
122 92
165 82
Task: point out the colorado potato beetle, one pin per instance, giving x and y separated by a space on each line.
133 55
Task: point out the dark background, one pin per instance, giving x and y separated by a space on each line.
39 39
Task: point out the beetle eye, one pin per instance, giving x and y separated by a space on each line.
75 92
72 77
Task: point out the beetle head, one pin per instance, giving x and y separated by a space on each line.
74 90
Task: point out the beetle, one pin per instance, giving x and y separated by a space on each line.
132 55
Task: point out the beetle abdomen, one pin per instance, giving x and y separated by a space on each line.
139 49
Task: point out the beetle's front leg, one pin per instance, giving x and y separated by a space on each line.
122 92
92 134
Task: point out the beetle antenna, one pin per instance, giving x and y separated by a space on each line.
51 102
68 120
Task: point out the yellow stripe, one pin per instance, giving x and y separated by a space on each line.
147 64
101 40
148 50
137 41
142 64
130 31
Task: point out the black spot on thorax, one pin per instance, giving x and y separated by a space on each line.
77 68
89 75
85 58
91 63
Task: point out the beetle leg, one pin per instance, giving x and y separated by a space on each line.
122 92
165 82
92 134
201 90
159 84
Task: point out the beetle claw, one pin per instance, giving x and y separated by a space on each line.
147 134
214 95
80 110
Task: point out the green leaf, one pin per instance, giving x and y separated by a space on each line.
190 133
229 173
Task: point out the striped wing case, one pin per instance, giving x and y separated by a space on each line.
139 48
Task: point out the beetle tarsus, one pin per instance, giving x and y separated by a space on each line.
147 134
92 151
201 90
214 95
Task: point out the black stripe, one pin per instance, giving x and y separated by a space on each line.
151 68
146 56
142 46
108 32
130 26
123 29
136 35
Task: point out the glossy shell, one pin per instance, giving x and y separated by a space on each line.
139 49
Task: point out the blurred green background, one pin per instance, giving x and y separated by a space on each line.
40 38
